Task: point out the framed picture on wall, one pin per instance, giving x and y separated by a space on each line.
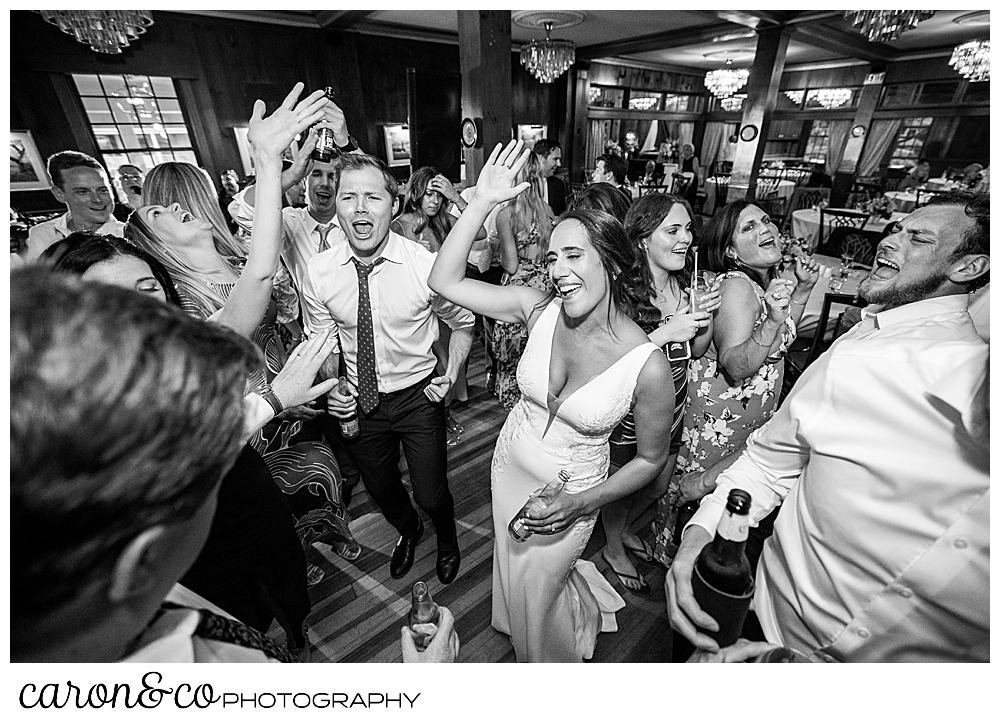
530 134
244 145
397 144
27 169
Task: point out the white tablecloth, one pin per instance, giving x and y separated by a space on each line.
814 304
785 190
805 224
904 200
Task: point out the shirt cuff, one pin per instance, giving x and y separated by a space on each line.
256 413
708 515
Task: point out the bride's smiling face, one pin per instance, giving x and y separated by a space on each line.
576 269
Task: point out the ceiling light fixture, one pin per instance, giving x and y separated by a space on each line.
972 60
726 81
796 96
833 97
732 103
105 31
884 26
548 59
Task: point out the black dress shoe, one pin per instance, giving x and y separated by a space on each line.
404 552
448 559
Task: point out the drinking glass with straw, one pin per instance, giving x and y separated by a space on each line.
701 282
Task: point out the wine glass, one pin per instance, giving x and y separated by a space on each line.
846 262
835 284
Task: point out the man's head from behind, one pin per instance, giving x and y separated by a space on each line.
550 154
81 183
367 197
938 250
125 414
610 169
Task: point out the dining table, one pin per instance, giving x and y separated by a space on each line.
785 189
829 270
904 200
805 224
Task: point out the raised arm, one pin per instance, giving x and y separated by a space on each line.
742 347
508 244
269 137
447 278
807 271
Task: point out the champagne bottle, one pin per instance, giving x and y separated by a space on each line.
424 615
350 427
723 581
326 147
516 528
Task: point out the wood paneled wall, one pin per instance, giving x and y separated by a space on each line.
222 66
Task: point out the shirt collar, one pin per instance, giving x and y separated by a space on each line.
392 252
918 310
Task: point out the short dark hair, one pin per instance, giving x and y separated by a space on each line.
361 161
124 414
76 253
62 161
603 197
615 164
545 146
975 240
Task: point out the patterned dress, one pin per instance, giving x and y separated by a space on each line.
720 416
509 339
305 470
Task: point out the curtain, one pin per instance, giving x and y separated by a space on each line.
685 132
649 144
839 131
600 131
880 138
716 146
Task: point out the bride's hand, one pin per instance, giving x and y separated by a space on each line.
496 181
562 511
272 135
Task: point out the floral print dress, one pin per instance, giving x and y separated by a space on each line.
720 416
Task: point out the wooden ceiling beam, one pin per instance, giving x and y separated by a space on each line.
340 18
656 41
849 44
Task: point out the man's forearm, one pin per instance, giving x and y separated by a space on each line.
458 350
331 367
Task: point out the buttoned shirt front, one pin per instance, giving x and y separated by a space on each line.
881 549
300 234
43 235
404 309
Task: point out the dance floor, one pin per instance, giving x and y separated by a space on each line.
358 609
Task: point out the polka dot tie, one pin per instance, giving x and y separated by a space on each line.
367 381
324 231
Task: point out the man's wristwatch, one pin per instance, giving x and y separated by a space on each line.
351 145
271 398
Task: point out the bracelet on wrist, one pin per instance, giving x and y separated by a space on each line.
271 398
760 343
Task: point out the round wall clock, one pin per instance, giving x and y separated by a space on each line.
470 133
858 131
748 132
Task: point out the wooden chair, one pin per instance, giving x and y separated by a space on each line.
767 185
863 243
798 176
836 217
643 190
721 190
575 189
801 355
891 182
775 207
870 185
804 198
681 185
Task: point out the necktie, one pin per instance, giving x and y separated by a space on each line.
324 231
367 381
226 630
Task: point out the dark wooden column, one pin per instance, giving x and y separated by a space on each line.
762 94
484 46
843 175
575 151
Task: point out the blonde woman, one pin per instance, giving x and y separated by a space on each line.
523 227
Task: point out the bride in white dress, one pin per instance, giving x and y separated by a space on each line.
585 365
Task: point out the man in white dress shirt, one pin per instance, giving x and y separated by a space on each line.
80 183
880 458
372 291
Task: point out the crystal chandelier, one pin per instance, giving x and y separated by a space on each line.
972 60
644 103
796 96
726 81
105 31
732 103
884 26
833 97
548 59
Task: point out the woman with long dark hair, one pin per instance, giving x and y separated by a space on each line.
734 387
585 365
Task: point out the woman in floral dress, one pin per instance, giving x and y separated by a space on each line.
733 389
524 227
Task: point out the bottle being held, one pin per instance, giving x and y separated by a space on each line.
516 528
350 427
326 147
424 615
723 581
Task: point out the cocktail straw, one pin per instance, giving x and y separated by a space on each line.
694 278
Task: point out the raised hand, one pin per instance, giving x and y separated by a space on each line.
443 186
302 157
683 327
807 270
333 118
496 181
273 134
294 383
777 300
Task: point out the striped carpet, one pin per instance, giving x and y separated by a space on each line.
358 608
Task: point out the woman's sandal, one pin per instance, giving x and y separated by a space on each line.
643 588
645 553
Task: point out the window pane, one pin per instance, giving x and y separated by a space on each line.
108 138
87 85
602 97
639 100
894 96
146 110
170 111
186 156
156 136
830 98
123 110
677 102
131 136
114 85
139 86
163 87
159 157
143 160
113 160
97 110
178 136
977 93
938 93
